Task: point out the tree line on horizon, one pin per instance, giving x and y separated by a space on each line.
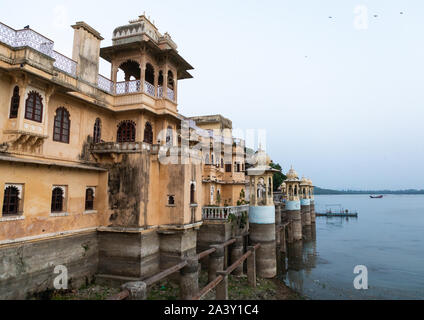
321 191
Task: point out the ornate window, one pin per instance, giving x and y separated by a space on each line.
11 200
57 199
14 103
89 199
97 132
148 133
228 168
62 125
126 131
34 107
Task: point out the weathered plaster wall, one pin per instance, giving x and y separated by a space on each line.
38 181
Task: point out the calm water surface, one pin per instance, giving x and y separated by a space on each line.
387 238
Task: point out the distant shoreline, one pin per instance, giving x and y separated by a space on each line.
320 191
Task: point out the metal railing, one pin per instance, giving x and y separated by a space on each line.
36 41
149 89
64 63
105 84
126 87
223 213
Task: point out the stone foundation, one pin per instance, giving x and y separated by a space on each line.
129 254
28 268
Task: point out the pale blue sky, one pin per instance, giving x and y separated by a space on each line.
343 106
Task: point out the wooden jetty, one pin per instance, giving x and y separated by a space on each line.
337 213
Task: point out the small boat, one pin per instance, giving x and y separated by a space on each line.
376 197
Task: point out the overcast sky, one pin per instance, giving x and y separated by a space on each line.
341 98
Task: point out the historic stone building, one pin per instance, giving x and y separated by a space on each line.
93 170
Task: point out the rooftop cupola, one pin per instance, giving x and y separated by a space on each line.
292 175
144 61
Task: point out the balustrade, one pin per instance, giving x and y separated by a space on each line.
223 213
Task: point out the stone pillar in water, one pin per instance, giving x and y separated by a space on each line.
305 202
293 205
312 197
262 216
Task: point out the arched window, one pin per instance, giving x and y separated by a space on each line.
148 133
126 132
170 80
97 133
57 200
171 200
169 136
193 193
61 125
34 107
89 199
295 191
14 103
207 160
222 162
269 187
11 201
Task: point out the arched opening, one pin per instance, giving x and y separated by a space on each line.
131 71
57 200
295 191
192 193
170 86
171 200
270 187
160 84
170 80
14 103
126 132
97 132
34 107
150 74
62 125
89 199
128 77
169 136
148 133
11 201
207 158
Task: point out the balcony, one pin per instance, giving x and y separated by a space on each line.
124 147
223 213
134 86
18 39
30 38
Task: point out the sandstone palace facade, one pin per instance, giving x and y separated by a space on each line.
102 175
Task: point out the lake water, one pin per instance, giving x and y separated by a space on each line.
387 238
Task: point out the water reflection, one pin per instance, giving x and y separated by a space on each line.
302 256
299 260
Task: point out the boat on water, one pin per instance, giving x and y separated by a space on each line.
376 197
